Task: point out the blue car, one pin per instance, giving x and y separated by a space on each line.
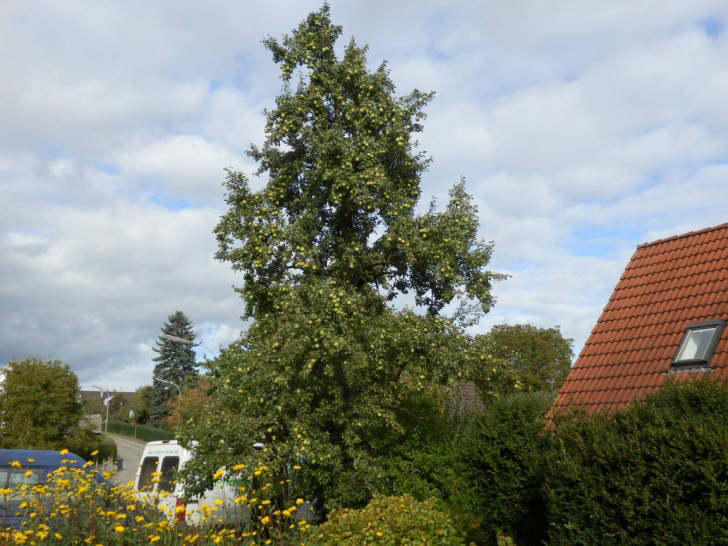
29 468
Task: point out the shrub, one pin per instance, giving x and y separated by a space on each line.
656 473
502 454
390 520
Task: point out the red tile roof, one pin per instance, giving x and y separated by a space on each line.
667 285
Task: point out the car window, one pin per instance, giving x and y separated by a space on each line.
169 473
20 482
149 466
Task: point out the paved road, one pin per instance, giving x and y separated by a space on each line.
130 450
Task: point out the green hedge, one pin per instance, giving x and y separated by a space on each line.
143 432
503 459
656 473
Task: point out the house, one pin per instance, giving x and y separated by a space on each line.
665 319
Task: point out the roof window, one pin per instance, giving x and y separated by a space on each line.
698 343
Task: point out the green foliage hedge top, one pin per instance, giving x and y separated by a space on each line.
656 473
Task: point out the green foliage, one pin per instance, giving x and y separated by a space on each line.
328 370
390 520
106 449
540 358
142 403
656 473
175 364
502 456
343 183
40 407
328 379
147 433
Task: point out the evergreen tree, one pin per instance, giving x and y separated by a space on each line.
175 363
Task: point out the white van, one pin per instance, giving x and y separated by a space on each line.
155 483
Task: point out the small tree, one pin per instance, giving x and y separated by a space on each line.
40 407
540 358
142 403
175 364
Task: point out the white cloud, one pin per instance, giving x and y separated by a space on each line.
581 128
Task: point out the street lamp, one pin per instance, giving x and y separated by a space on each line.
185 341
179 391
106 403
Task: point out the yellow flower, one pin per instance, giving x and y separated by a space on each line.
58 536
28 473
119 528
64 452
218 502
154 538
31 460
296 467
299 501
15 464
94 452
264 520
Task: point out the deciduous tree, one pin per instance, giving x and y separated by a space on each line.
40 407
328 369
540 357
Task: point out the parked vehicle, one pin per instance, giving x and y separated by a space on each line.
156 482
23 469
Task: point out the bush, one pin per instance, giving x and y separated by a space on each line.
656 473
390 520
502 454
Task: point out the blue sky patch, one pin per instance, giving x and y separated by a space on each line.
108 169
169 203
593 241
712 26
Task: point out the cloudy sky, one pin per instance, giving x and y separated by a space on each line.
581 127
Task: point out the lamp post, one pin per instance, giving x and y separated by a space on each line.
185 341
102 391
179 391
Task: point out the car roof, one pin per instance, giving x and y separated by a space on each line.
40 457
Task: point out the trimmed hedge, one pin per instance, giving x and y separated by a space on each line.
503 459
656 473
143 432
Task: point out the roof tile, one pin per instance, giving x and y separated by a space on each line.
667 285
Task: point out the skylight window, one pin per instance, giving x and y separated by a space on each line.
698 343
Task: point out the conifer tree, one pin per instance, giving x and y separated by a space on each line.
175 363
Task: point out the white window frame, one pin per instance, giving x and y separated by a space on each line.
717 327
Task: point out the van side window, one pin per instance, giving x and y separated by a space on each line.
25 477
149 466
169 470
